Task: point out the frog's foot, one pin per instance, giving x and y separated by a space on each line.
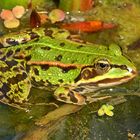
69 96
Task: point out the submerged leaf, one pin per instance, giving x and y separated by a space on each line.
35 20
88 26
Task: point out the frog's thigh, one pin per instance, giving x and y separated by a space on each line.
14 88
64 94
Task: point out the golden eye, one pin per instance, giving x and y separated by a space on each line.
102 66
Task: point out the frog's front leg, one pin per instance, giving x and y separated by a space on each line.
68 95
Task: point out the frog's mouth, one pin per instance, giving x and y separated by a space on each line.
110 82
115 81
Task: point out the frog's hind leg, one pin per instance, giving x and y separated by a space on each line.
66 95
14 82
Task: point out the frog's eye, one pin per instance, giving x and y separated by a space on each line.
102 66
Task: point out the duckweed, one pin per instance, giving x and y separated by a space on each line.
106 110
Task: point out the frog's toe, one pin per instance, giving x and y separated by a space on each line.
77 98
68 96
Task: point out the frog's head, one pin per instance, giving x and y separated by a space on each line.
109 68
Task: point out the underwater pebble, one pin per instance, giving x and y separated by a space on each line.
6 14
56 15
13 23
18 11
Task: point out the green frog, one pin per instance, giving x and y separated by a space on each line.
50 58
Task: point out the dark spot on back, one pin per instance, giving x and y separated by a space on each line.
24 40
28 48
24 75
73 61
49 83
44 67
80 46
45 48
58 58
12 42
16 69
5 88
11 63
62 44
27 68
33 35
36 39
4 69
61 31
36 71
27 58
60 80
22 68
9 53
41 83
33 81
20 90
22 63
65 70
3 58
48 32
37 83
17 50
18 78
